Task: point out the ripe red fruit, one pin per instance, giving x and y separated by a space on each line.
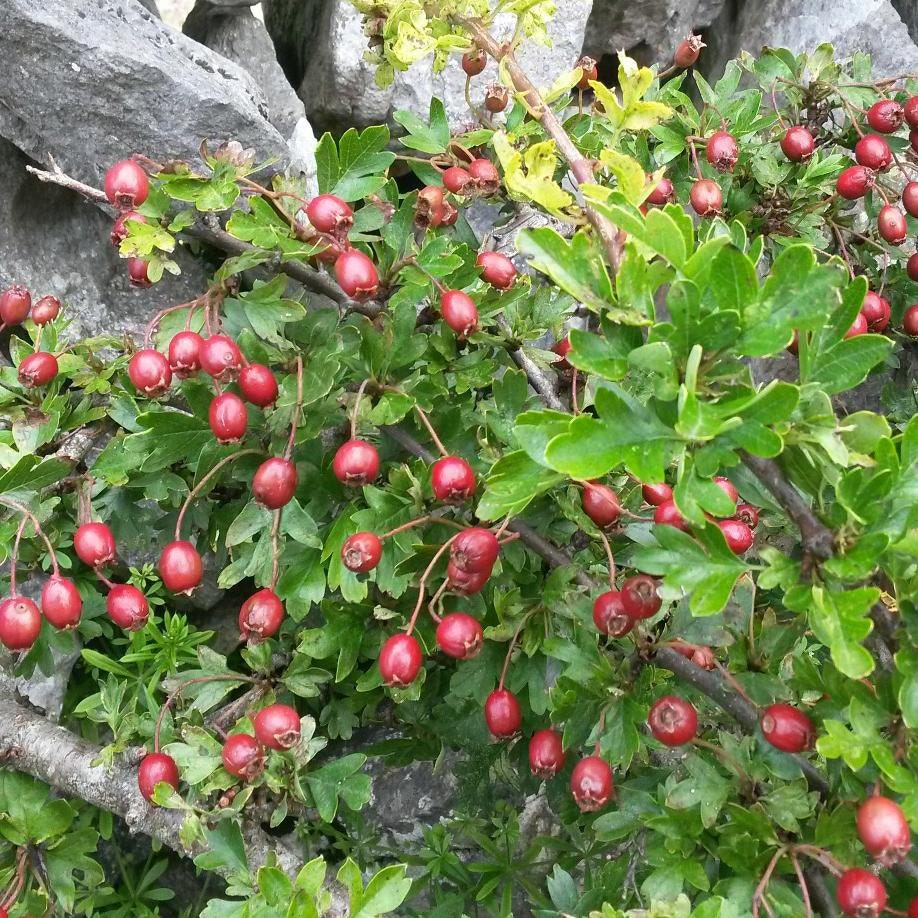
876 311
673 720
473 62
127 607
277 726
884 830
450 214
228 417
185 353
546 754
727 487
459 312
656 494
180 567
591 783
15 303
126 184
20 623
609 614
853 182
466 583
474 550
61 602
858 327
356 275
722 151
706 198
748 514
885 116
38 369
913 138
913 905
150 373
738 535
911 267
485 175
94 544
139 272
502 713
667 514
797 144
261 616
600 504
243 756
496 269
275 482
328 213
429 209
909 197
156 768
590 71
452 480
258 385
910 111
891 224
873 152
220 357
663 192
400 659
361 552
910 321
459 636
562 348
45 310
786 728
640 597
860 893
119 227
687 51
455 178
356 463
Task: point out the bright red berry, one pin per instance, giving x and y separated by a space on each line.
891 224
502 713
610 616
885 116
640 597
119 227
884 830
911 267
139 272
876 311
656 494
910 321
591 783
452 480
786 728
459 636
910 111
873 152
797 144
474 550
15 303
854 182
356 463
221 357
455 178
328 213
473 62
38 369
400 659
228 417
20 623
180 567
459 312
667 514
706 198
277 726
45 310
910 197
243 756
150 373
156 768
465 583
261 616
589 71
185 353
663 192
127 607
126 184
361 552
860 893
562 348
546 754
673 720
722 151
496 269
94 544
858 327
258 385
484 174
600 504
61 603
357 275
748 514
687 51
275 482
913 905
738 535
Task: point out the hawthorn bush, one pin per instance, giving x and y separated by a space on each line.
593 528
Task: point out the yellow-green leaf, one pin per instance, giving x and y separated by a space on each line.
530 175
629 172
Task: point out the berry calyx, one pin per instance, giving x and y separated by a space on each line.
139 272
600 503
706 198
185 353
546 754
667 514
673 720
738 535
610 616
687 51
663 192
37 369
876 311
884 831
748 514
258 385
909 198
180 567
656 494
860 894
156 768
45 310
502 713
329 214
455 178
127 607
150 373
126 184
277 726
474 550
15 303
722 151
275 482
220 357
910 321
459 636
484 174
496 269
459 312
94 544
589 71
228 417
797 144
61 603
591 783
885 116
854 182
356 275
473 62
119 227
891 224
20 623
786 728
243 756
452 480
361 552
429 209
873 152
356 463
466 583
640 597
400 660
261 616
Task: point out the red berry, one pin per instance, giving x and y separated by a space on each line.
687 51
656 494
221 357
854 182
873 152
722 151
891 224
913 138
496 98
450 214
46 310
15 303
663 192
356 463
94 544
496 269
400 659
640 597
455 179
119 228
275 482
911 267
228 417
797 144
858 327
474 550
727 487
459 312
473 62
139 272
860 893
328 213
361 552
502 713
909 197
673 720
126 184
20 623
748 514
562 348
185 353
591 783
61 602
910 321
875 312
667 514
466 583
180 567
885 116
356 275
884 830
38 369
910 111
150 372
706 198
589 71
452 480
609 614
261 616
459 636
485 175
127 607
156 768
243 756
277 726
546 754
913 905
786 728
429 209
600 504
258 385
738 535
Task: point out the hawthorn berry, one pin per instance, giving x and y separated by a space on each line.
361 552
589 71
502 713
473 62
277 726
858 327
673 720
706 198
910 321
640 597
94 544
786 728
329 214
496 98
687 51
37 369
465 583
883 830
356 463
356 274
61 603
220 357
656 494
127 607
228 417
474 550
663 192
185 353
258 385
496 269
854 182
459 312
45 310
243 756
126 184
909 197
150 373
911 267
429 209
913 138
400 659
738 535
261 616
15 303
910 112
459 636
452 480
546 754
748 514
450 214
891 224
20 623
180 567
876 310
722 151
885 116
610 616
484 174
455 178
591 783
562 348
873 152
119 227
912 906
860 893
139 272
275 482
727 487
156 768
600 504
797 144
667 514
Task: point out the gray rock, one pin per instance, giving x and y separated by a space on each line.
908 12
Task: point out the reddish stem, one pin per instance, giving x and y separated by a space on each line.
513 640
14 558
610 558
25 511
200 485
419 522
297 408
275 548
423 584
433 434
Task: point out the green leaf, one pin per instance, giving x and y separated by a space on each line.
225 850
384 893
514 480
353 169
329 782
429 138
590 353
846 364
840 619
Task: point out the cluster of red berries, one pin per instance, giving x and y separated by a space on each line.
126 187
39 368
